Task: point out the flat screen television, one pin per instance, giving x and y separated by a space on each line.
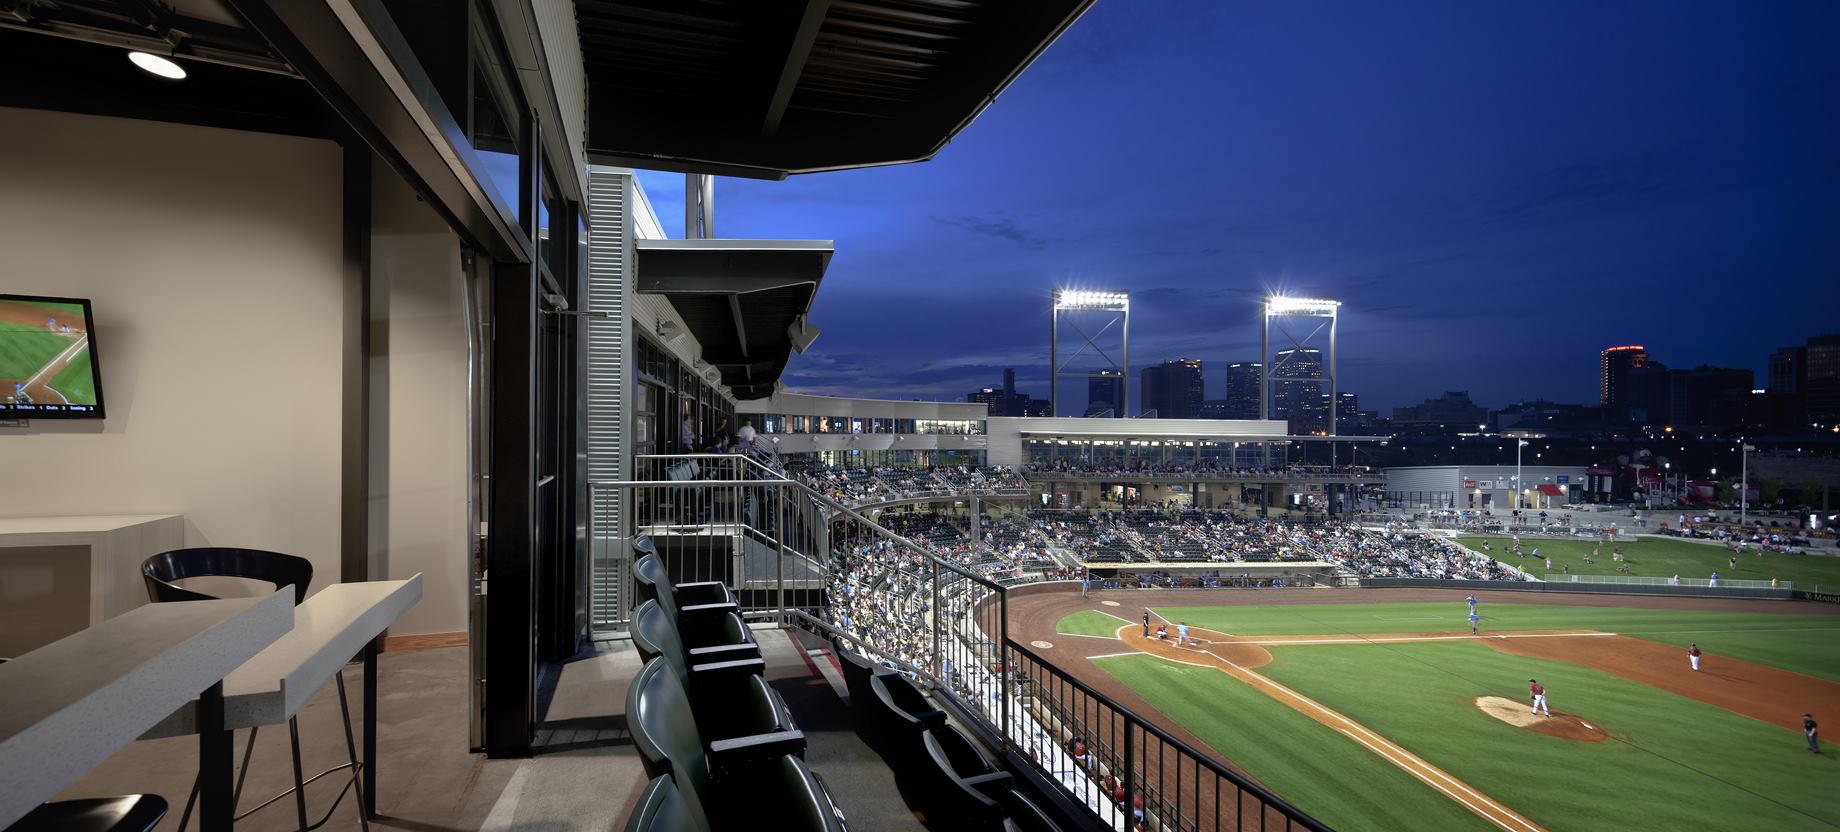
48 364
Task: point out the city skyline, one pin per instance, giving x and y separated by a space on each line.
1529 187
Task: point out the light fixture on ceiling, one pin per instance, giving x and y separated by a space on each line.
158 65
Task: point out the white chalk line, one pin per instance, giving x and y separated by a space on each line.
1418 638
1514 824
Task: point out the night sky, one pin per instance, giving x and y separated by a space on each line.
1495 191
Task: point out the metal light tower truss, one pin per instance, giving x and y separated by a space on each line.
1089 305
1324 311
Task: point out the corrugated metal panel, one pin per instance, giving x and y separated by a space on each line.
562 48
609 253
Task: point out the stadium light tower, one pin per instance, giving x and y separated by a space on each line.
1116 307
1280 306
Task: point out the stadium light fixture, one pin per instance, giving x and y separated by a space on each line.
1283 305
1091 299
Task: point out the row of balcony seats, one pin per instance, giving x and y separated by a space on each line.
720 745
958 786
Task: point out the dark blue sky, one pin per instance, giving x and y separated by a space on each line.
1496 192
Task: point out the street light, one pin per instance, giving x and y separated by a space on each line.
1744 482
1519 483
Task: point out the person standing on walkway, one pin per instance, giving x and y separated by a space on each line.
1693 657
1146 623
1812 732
1539 696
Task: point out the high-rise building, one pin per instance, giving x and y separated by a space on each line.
1298 396
1105 390
1243 380
1821 381
1348 421
1708 395
1173 389
1788 367
1613 366
1453 409
991 397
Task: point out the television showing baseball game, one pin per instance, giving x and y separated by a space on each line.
48 366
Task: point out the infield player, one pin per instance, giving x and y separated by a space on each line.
1693 657
1471 600
1473 618
1539 696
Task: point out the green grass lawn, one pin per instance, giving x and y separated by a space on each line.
1089 623
77 382
1315 767
23 350
1803 643
1661 558
1672 762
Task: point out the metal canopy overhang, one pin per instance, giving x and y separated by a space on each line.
740 298
774 87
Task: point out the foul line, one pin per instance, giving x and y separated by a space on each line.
64 357
1419 638
1119 617
1084 635
1127 653
1490 809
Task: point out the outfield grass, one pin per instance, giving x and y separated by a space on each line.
1672 762
1089 623
25 349
1310 764
1802 643
1662 558
77 382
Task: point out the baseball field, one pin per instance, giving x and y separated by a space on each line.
47 365
1660 557
1378 710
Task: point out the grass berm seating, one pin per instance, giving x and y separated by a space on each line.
752 781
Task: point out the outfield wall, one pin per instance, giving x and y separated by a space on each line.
1575 588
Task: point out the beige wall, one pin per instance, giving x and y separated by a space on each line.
419 376
213 258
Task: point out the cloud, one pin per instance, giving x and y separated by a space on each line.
1003 228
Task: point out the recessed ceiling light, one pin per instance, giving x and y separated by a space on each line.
158 65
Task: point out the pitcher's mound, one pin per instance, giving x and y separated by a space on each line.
1561 725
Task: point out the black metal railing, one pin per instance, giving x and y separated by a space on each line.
802 558
1165 783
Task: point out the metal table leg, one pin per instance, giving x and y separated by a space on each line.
216 763
368 800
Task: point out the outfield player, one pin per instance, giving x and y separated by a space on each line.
1693 657
1539 696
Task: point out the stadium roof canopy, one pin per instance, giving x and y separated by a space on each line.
744 300
766 88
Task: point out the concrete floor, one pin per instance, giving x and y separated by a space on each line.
584 776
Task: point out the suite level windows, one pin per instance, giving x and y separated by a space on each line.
780 423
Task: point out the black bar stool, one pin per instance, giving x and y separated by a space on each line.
160 573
